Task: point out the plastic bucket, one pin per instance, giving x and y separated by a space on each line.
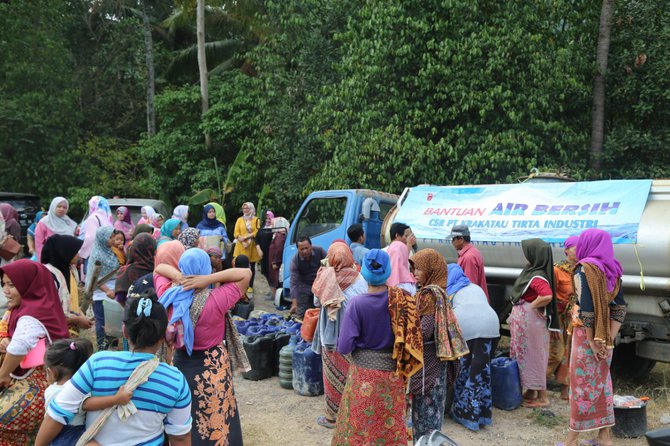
113 318
630 422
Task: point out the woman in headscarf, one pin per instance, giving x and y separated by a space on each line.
336 282
280 227
212 231
56 222
157 220
442 341
140 262
401 277
533 316
181 214
169 231
190 238
480 327
35 321
144 228
60 255
602 310
381 331
204 358
559 344
263 240
166 266
102 251
245 232
31 234
11 217
146 213
99 215
220 213
12 226
123 222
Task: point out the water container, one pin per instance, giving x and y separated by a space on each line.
291 327
243 327
505 383
286 364
630 422
279 341
242 309
309 323
259 352
307 371
113 318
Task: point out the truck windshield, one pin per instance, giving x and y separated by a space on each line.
321 215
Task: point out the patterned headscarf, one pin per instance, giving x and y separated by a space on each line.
59 225
433 266
189 237
102 252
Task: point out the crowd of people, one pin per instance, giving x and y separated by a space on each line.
397 329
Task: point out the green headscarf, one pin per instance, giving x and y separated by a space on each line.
540 264
220 213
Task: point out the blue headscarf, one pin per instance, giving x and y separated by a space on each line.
169 226
193 262
376 275
456 278
206 222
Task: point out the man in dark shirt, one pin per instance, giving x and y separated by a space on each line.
304 266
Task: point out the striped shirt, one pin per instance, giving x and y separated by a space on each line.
163 402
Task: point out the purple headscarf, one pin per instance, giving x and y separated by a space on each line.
595 247
570 242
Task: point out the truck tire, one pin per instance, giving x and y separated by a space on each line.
627 365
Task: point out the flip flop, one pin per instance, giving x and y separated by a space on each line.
321 420
536 404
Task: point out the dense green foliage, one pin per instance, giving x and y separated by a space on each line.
311 94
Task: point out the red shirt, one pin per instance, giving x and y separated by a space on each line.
538 287
472 263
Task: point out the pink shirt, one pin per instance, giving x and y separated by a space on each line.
42 233
161 284
472 263
210 328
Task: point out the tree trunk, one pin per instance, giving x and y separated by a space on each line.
151 76
598 113
202 62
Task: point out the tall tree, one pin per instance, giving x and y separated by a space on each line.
202 63
151 72
598 113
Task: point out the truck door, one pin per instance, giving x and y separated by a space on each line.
322 219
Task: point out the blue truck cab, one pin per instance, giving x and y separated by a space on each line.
325 216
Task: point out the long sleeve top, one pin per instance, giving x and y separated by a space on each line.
303 272
585 299
366 324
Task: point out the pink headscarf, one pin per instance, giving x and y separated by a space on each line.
399 254
595 247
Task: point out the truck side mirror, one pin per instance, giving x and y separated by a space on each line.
369 205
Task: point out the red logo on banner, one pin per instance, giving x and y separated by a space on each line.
430 196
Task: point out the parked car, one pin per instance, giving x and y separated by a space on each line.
27 205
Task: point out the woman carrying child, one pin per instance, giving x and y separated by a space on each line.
135 379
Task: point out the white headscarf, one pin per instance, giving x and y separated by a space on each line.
180 213
59 225
252 210
279 222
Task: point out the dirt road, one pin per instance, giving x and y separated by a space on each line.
275 416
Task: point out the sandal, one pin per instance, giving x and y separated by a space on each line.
323 421
536 404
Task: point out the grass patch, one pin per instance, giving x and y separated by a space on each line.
546 418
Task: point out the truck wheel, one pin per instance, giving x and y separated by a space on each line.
627 365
